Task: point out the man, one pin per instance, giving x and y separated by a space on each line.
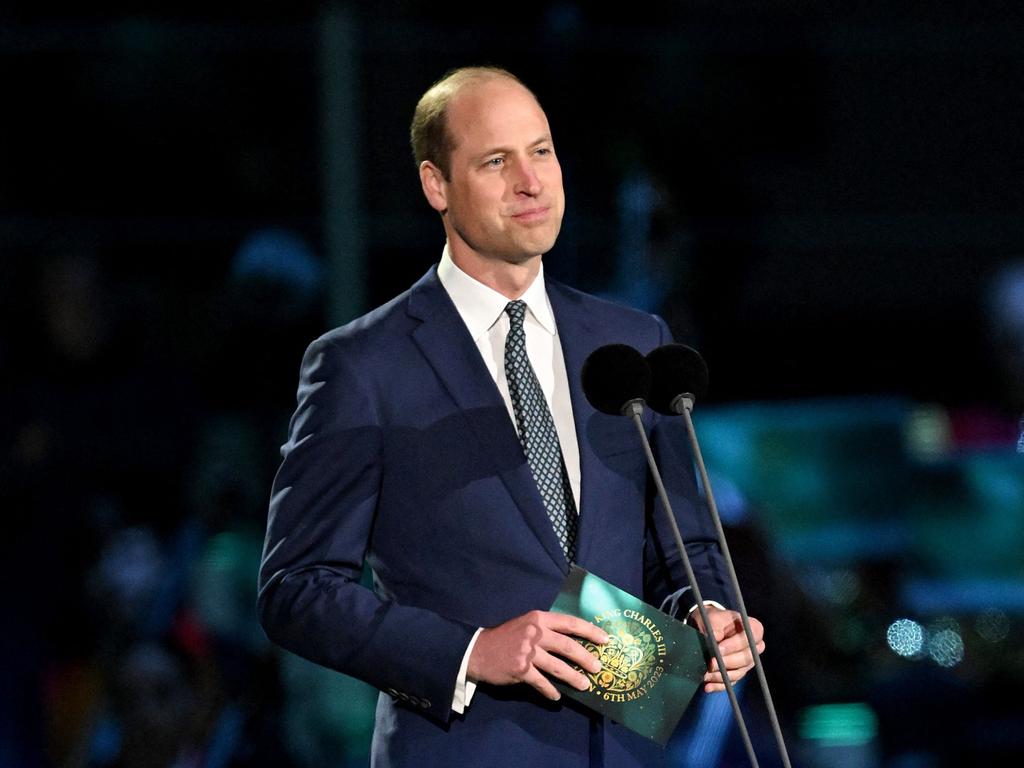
468 479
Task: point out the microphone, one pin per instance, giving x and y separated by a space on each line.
679 376
616 380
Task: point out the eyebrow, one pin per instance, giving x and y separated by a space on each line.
545 139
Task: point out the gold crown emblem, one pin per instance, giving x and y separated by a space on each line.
627 659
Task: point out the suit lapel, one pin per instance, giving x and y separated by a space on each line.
446 344
579 336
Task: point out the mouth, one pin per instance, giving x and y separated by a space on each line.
531 215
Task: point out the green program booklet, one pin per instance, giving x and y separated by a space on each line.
650 668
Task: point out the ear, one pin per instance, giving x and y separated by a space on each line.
435 188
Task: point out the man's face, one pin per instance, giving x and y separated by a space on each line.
504 195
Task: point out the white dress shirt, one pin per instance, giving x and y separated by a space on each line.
483 311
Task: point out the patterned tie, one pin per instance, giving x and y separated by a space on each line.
537 432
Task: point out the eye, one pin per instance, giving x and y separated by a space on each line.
543 151
495 162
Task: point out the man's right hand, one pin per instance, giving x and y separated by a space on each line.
531 647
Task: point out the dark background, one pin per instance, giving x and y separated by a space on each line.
824 198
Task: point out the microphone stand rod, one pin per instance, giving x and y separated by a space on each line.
635 409
685 403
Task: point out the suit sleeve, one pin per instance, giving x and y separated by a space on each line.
663 566
319 527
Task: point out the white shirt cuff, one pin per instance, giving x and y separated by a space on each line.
464 689
670 604
716 604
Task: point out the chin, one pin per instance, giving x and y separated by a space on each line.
540 245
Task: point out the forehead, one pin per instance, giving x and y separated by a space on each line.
497 112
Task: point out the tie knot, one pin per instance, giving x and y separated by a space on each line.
516 312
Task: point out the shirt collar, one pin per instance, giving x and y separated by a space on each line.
481 307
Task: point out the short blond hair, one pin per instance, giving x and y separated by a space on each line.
428 133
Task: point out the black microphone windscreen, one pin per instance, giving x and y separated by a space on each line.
676 369
615 375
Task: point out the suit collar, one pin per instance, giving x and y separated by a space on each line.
480 306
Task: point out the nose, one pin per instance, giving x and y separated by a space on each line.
527 182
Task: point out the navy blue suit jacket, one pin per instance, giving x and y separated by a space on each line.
401 454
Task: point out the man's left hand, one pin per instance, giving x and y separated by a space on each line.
732 642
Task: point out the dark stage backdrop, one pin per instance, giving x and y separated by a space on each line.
825 198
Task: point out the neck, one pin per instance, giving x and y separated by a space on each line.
510 279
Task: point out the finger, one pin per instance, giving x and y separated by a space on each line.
714 682
542 684
713 675
714 688
732 645
555 667
728 624
736 643
729 628
736 660
725 624
570 649
573 625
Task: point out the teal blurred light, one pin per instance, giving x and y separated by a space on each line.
839 725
